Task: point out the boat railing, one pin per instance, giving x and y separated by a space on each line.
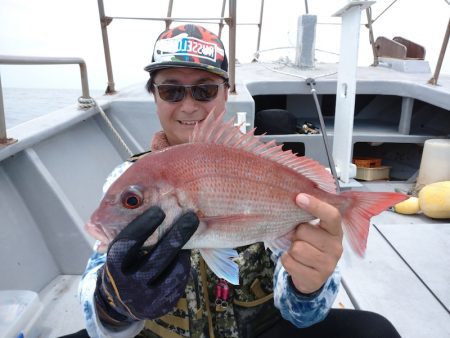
221 21
39 60
435 77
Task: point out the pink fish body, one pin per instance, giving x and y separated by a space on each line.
242 190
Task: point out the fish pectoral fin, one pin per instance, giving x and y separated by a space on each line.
220 261
280 244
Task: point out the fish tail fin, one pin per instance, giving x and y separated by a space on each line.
358 210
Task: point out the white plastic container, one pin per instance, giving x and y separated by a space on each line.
18 308
372 174
435 162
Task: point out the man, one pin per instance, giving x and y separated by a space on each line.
168 292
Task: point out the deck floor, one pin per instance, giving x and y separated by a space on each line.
405 273
63 313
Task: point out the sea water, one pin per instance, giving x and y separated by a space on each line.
24 104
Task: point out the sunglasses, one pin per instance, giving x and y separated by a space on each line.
176 92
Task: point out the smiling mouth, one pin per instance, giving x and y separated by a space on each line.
189 123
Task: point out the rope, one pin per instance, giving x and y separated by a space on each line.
86 103
285 62
384 11
291 74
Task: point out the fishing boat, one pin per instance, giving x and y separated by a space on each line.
52 170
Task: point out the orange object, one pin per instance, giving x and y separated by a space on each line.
367 162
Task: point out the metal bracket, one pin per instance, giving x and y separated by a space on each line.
106 21
6 142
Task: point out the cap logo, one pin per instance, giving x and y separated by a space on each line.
184 45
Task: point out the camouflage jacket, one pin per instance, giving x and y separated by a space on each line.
247 311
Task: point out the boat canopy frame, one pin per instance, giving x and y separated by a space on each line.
221 21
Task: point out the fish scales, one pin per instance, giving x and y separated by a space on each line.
229 182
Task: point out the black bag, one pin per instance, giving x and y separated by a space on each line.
275 122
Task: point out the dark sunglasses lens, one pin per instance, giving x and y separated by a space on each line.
171 93
206 92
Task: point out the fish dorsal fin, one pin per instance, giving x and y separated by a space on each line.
214 130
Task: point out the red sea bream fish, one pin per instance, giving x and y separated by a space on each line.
242 190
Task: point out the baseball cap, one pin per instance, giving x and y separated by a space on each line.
189 46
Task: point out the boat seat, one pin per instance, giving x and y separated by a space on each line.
399 48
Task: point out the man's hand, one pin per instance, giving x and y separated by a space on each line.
139 283
315 249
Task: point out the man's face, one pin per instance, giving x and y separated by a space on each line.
179 118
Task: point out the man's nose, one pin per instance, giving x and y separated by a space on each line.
188 101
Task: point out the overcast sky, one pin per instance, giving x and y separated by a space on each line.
71 28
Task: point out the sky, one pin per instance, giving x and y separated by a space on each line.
71 28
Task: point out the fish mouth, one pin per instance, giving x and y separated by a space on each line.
105 236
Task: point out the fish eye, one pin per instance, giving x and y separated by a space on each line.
132 198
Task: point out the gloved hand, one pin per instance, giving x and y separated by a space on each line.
135 283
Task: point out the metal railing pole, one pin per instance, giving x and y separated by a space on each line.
2 116
84 81
4 140
260 25
371 38
232 65
104 22
306 7
42 60
435 77
222 14
169 14
212 20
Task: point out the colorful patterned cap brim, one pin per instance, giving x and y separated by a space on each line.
190 46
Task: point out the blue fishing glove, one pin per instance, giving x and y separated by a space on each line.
138 283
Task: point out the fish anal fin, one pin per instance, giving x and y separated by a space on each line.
220 261
280 244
